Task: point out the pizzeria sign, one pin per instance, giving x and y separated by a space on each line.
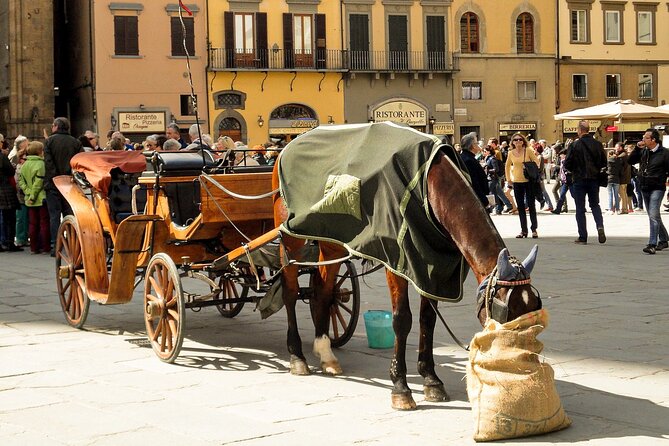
141 122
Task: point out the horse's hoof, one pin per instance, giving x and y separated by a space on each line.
402 401
436 394
331 368
299 367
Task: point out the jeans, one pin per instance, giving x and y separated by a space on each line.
637 196
524 193
579 190
614 198
495 188
546 196
57 205
562 197
22 225
653 199
7 227
40 239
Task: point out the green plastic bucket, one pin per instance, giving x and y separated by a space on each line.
379 328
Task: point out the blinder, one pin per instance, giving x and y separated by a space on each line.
496 308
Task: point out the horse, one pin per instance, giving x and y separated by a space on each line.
504 283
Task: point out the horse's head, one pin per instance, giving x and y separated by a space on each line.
507 292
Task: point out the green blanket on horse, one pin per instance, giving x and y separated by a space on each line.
364 186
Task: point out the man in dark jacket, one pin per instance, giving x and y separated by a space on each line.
59 149
653 162
470 147
585 160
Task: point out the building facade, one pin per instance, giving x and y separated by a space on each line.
276 68
611 50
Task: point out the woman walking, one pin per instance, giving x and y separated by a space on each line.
523 189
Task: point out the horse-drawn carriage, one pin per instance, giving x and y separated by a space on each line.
166 216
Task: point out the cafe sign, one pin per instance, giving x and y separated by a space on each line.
141 122
401 112
517 126
291 126
571 125
443 128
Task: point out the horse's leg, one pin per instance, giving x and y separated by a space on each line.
289 293
323 299
432 385
399 294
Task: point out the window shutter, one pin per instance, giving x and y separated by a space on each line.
436 42
190 34
132 37
177 47
119 36
288 56
321 47
229 25
261 39
398 42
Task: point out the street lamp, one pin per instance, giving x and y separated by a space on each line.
330 119
260 121
113 122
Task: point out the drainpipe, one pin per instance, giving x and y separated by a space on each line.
206 69
557 54
96 127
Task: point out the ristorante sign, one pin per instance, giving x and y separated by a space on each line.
401 112
141 122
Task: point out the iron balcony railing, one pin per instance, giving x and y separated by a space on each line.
223 59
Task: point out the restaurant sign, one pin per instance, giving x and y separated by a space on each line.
401 112
291 126
141 122
517 126
443 128
571 125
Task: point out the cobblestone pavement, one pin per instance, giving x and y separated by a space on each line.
607 342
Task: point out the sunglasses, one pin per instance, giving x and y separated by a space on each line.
516 139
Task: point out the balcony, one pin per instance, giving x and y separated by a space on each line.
222 59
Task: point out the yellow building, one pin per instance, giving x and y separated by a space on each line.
275 68
611 50
505 83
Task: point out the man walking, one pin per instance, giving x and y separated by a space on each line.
59 149
585 159
470 148
653 162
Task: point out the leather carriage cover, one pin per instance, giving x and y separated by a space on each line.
364 186
97 166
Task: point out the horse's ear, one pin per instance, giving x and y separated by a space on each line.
529 262
505 270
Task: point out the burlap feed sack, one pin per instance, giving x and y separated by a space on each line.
512 392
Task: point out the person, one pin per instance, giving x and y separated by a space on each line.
116 143
160 142
470 148
31 181
151 142
9 202
625 179
523 189
585 160
614 170
653 162
174 132
258 154
195 131
17 157
171 145
548 155
494 171
93 139
59 149
86 143
565 181
543 198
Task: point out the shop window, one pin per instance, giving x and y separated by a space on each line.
612 86
645 86
126 37
469 33
177 36
525 33
471 91
579 83
527 90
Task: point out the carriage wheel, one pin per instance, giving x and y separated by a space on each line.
70 278
164 307
345 309
230 290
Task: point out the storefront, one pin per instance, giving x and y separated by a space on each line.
507 129
401 112
444 129
290 120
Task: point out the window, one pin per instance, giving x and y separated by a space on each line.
469 33
612 27
471 91
644 27
579 84
612 86
579 26
126 39
178 36
525 33
645 86
244 33
467 129
359 41
436 42
245 40
527 90
303 40
187 106
398 42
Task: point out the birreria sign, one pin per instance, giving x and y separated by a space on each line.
141 122
401 112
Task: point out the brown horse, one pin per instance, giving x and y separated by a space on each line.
504 283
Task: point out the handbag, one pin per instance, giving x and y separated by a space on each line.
603 178
531 170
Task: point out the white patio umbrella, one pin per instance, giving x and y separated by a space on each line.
625 109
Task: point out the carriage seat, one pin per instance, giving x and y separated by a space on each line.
120 194
182 163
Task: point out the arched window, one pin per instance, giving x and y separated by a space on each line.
469 33
525 33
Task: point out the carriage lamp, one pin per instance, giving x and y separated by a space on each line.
260 121
113 121
432 120
370 119
330 119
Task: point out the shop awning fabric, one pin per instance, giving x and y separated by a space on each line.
625 109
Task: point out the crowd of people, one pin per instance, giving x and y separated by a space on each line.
31 207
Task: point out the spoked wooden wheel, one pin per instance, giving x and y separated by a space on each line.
231 290
164 307
70 278
345 309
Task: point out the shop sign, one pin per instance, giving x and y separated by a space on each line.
632 126
571 125
443 128
517 126
291 126
141 122
401 112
